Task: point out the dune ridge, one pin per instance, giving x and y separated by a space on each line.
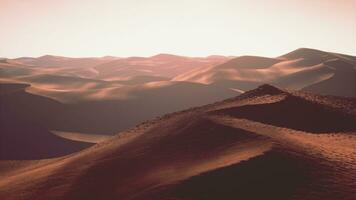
208 152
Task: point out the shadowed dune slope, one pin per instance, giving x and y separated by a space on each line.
208 153
302 114
342 83
24 121
104 116
273 175
305 78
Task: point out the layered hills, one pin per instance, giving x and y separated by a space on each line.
256 145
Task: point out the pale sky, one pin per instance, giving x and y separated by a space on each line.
82 28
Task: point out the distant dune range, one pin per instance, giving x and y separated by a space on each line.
267 143
303 69
110 78
81 79
103 96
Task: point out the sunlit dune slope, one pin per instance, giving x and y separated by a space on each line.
223 150
163 65
234 69
122 78
309 69
84 79
113 68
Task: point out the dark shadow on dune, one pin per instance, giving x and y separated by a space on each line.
24 120
107 116
343 83
274 175
24 140
298 80
113 116
11 88
296 113
27 114
24 126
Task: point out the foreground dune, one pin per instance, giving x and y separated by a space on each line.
224 150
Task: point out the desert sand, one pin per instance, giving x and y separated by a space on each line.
231 149
76 95
72 80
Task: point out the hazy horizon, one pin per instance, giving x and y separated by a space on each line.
164 53
188 28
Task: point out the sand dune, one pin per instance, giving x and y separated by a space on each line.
113 68
302 68
73 80
138 80
211 152
11 70
24 124
59 61
82 137
304 78
123 78
163 65
342 83
306 119
63 97
108 114
235 69
72 101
